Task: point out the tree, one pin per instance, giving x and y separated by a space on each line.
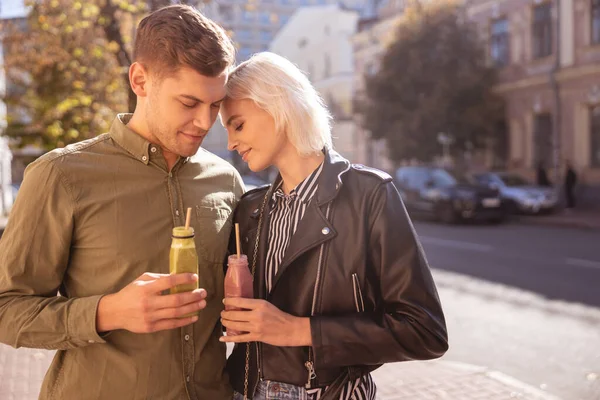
433 78
67 66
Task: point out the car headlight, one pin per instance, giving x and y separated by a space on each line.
527 199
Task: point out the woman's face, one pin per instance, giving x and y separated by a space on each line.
251 132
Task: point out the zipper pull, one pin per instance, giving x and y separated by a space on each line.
311 373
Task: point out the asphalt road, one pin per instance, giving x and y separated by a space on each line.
557 263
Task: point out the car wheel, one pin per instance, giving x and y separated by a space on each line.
447 215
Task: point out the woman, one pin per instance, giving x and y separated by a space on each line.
340 280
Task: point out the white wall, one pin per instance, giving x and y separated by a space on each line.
317 39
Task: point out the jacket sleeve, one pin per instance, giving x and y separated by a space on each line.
34 256
408 322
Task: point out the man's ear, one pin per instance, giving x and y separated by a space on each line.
138 79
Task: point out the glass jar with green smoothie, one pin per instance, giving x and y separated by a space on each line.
183 257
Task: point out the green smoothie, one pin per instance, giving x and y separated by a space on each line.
183 257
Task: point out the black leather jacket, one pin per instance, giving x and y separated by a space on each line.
356 267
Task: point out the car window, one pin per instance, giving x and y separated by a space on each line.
442 178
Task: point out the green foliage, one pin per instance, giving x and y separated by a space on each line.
433 78
66 65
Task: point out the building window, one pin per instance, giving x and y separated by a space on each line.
542 30
265 18
266 36
596 21
499 43
284 19
542 139
595 136
247 16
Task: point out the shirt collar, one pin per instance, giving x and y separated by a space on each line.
304 191
134 143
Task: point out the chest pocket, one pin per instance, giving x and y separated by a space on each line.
213 227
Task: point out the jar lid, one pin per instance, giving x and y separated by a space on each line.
180 232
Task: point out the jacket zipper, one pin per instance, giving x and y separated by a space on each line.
358 297
310 366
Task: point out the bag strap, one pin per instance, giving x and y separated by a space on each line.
254 258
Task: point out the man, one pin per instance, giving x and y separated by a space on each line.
94 220
542 177
570 182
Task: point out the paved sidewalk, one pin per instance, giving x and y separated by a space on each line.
22 370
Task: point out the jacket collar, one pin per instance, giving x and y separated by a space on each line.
330 180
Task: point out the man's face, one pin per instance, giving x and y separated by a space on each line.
181 108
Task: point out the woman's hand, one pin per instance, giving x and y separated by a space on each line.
261 321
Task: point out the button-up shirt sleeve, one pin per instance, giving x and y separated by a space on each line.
34 256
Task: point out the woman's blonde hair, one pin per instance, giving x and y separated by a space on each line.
280 88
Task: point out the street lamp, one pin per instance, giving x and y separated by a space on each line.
445 140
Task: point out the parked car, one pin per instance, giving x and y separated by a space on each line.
521 196
447 196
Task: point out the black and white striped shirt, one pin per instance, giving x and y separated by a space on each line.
286 213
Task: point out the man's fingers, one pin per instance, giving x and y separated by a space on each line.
164 282
178 299
169 313
151 276
173 323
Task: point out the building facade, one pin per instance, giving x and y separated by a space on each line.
317 39
254 23
548 61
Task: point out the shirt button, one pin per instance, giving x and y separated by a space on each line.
187 378
153 149
325 231
144 158
187 337
177 212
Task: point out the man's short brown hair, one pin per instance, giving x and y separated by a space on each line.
179 35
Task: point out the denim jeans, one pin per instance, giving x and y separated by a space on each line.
268 390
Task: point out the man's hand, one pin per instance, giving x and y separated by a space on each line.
139 307
263 322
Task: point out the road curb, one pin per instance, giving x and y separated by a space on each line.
505 379
519 297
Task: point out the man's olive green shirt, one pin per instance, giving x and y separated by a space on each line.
88 220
